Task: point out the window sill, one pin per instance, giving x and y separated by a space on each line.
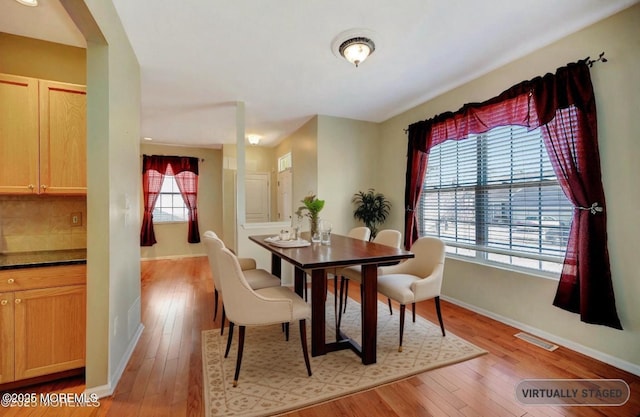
525 271
267 225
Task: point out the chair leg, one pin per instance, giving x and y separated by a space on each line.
306 288
437 299
224 318
229 338
303 340
240 350
390 309
413 311
286 331
402 310
215 303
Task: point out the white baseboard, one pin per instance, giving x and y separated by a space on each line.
100 391
592 353
108 389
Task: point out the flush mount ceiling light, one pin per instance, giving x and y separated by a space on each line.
354 45
356 50
30 3
253 139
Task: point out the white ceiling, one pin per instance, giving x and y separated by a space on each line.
198 58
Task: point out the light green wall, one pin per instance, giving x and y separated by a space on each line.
347 163
113 198
304 161
172 237
524 298
39 59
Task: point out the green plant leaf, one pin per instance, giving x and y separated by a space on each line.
371 208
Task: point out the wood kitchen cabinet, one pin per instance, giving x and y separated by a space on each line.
43 324
7 343
42 137
19 134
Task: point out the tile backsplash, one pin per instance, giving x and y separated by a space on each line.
37 223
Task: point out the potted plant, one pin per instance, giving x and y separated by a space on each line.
371 208
312 207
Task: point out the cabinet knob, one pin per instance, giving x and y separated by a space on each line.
43 186
11 281
31 186
18 300
4 302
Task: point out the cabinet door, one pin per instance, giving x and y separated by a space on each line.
63 137
6 337
18 134
49 330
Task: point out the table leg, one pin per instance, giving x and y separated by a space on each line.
369 313
318 291
276 265
299 281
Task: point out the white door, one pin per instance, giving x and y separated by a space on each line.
284 195
257 197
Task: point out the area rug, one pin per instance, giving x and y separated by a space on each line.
273 378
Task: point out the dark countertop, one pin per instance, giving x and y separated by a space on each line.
42 258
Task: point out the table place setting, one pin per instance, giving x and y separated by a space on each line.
285 240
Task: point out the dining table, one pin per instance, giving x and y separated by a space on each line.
317 259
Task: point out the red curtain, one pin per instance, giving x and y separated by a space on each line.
566 104
151 185
188 185
563 105
416 168
185 170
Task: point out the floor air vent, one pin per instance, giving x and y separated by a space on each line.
538 342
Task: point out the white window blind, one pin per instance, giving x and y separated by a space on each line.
495 197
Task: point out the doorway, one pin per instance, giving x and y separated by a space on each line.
257 191
285 189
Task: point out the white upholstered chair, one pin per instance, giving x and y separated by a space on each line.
257 278
248 307
386 237
416 279
361 233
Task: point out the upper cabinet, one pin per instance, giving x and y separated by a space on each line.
42 137
19 132
63 138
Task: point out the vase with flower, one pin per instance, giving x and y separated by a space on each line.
311 208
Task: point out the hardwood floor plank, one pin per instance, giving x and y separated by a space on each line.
433 387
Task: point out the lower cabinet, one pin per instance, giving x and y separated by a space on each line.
7 357
42 322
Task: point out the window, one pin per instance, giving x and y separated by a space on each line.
284 162
170 205
496 198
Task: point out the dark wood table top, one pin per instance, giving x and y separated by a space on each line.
343 251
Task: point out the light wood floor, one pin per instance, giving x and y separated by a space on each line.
164 376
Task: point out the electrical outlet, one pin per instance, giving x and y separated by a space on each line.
76 218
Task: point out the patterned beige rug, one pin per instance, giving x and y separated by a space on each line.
273 378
